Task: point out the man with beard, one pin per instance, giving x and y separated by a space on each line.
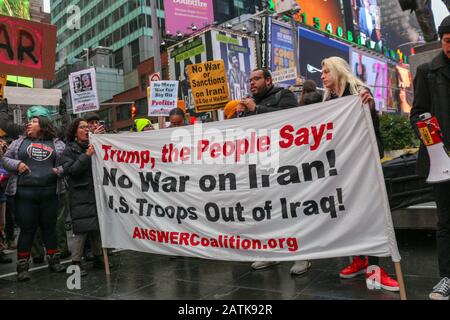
236 78
265 96
268 98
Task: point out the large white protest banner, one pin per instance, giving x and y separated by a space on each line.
302 183
163 97
83 91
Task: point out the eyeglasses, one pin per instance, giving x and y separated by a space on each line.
254 79
83 127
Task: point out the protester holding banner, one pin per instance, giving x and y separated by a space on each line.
177 118
265 96
33 161
431 95
339 81
268 98
76 161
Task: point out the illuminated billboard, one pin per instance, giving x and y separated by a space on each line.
278 51
185 14
321 13
237 51
366 19
313 48
17 9
374 73
405 89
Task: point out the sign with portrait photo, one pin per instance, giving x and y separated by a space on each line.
83 90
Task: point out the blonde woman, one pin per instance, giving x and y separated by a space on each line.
339 81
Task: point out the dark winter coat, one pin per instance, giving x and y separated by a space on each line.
275 99
432 94
82 206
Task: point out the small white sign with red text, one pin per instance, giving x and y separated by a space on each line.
163 97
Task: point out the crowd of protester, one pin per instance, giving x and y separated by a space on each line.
46 181
50 176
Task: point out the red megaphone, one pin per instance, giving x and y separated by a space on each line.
431 136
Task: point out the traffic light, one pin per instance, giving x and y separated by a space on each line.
133 111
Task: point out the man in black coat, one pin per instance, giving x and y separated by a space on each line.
265 96
268 98
432 95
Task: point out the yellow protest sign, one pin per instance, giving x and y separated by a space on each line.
209 85
2 84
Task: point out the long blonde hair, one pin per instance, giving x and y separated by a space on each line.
341 72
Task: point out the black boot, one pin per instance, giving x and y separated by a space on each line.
22 270
54 263
99 263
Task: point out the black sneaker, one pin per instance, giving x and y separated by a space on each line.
441 291
22 270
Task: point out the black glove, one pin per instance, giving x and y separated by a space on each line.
62 109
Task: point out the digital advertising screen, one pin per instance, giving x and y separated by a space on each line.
313 48
282 54
364 19
322 12
184 14
374 73
15 8
392 100
405 88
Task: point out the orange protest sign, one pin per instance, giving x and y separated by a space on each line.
209 85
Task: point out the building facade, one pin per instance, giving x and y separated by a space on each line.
124 26
225 10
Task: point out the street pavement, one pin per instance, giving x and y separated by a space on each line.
143 276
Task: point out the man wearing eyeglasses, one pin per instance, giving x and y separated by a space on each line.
265 96
268 98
